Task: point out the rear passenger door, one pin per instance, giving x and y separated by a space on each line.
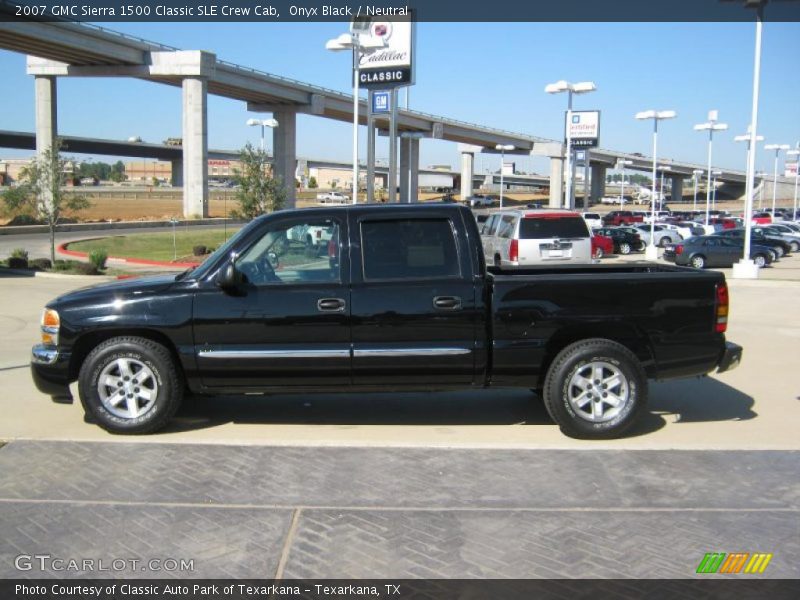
414 315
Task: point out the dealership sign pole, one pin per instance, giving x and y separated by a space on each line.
387 69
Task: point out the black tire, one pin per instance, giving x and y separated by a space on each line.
779 252
166 381
795 246
497 261
559 386
624 248
698 261
664 241
760 260
598 253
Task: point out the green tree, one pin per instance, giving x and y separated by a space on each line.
258 192
117 172
41 192
312 183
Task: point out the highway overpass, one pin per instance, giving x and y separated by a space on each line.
60 49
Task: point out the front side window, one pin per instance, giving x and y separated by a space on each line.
294 252
409 249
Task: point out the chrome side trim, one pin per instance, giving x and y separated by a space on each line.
44 355
366 352
274 353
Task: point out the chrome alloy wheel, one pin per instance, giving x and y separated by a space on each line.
598 391
127 388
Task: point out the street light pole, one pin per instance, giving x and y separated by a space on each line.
777 148
583 87
714 192
796 154
711 126
502 148
652 252
271 123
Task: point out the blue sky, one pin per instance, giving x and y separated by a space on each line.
488 73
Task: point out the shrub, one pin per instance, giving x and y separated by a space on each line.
16 262
199 250
85 269
65 265
25 219
98 258
42 264
19 253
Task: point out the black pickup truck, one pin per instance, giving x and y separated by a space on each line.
382 298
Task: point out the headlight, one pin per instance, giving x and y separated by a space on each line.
51 323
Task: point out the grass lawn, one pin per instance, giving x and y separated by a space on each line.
155 246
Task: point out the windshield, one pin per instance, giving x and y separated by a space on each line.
201 270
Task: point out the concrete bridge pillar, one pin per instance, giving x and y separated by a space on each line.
284 143
598 182
409 169
556 182
467 173
46 116
195 147
177 172
677 189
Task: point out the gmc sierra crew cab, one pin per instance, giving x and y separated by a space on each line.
400 299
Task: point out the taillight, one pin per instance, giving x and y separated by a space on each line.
331 249
721 324
679 249
513 251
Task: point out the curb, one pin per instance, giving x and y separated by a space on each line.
63 249
104 226
46 275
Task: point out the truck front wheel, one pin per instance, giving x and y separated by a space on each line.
595 389
130 385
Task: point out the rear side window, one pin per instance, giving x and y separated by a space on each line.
409 249
507 226
558 227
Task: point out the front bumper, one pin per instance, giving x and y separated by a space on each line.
49 370
731 357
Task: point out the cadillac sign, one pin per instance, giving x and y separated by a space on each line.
391 65
584 128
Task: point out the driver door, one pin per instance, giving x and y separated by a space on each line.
289 325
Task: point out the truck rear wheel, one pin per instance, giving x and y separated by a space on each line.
130 385
595 389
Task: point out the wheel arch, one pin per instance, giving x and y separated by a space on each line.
91 339
635 341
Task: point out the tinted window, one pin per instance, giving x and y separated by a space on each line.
507 226
560 227
297 251
408 249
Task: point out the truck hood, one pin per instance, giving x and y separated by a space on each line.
126 287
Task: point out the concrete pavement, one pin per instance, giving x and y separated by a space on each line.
753 406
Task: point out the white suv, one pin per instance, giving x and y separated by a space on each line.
517 238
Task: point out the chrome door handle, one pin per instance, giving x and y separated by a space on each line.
447 302
330 305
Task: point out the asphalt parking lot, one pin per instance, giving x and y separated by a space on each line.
413 485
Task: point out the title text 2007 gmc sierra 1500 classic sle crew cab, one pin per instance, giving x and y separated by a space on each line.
398 299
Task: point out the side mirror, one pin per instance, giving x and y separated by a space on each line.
229 278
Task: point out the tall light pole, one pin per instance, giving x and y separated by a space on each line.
696 173
271 123
796 154
503 149
352 41
777 148
746 268
761 176
747 138
584 87
657 115
620 166
711 126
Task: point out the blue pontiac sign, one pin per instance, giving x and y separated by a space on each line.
381 102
